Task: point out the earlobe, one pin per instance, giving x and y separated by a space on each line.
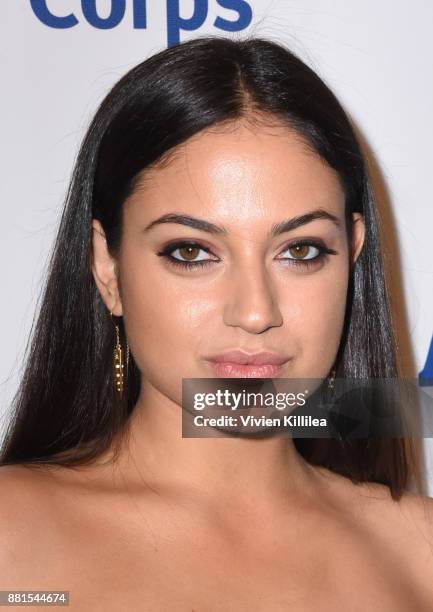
104 270
358 236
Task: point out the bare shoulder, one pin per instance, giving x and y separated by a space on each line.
372 505
25 519
405 528
409 519
400 530
22 489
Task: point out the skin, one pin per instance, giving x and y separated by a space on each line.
220 523
249 297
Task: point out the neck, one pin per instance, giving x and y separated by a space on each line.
257 472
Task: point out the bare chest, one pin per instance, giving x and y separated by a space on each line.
184 576
209 591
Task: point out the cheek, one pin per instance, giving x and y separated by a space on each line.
164 319
315 318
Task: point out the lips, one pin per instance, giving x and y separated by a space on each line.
240 357
238 364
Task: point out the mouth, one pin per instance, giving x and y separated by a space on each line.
238 364
236 370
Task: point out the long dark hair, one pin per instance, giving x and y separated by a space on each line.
66 411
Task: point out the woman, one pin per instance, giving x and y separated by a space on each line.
220 203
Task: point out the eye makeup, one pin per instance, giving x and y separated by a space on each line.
191 248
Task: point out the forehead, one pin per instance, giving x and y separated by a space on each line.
237 173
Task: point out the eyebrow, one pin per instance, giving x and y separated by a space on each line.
276 229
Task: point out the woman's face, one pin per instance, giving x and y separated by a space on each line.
249 282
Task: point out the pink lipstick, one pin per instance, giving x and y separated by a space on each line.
238 364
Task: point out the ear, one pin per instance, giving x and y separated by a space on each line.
358 236
105 270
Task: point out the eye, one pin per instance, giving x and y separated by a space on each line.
306 253
302 250
190 255
187 255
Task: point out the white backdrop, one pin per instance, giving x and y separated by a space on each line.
60 57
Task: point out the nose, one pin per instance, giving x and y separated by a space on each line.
251 303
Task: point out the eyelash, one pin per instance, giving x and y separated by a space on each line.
306 263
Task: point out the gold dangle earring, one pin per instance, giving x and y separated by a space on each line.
118 366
